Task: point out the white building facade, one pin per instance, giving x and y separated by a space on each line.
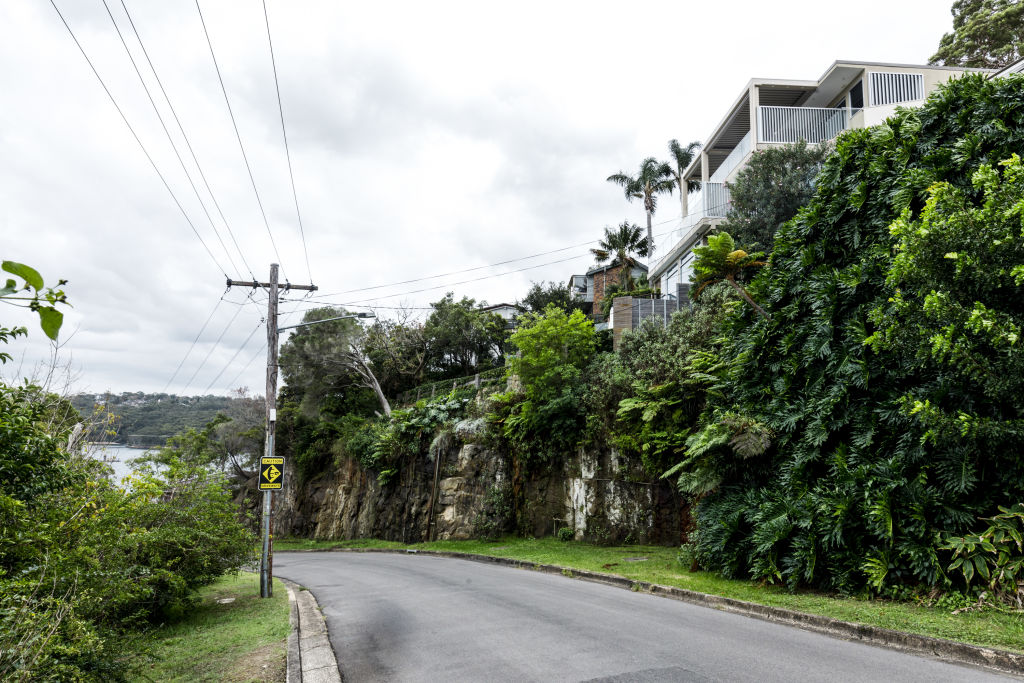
772 112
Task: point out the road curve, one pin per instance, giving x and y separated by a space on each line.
420 618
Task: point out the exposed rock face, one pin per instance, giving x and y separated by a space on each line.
594 494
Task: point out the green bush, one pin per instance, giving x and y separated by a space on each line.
83 563
542 419
381 445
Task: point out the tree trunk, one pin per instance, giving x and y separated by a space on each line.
650 240
683 197
746 297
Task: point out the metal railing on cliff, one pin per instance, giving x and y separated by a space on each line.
480 380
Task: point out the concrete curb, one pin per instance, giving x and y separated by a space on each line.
952 651
311 658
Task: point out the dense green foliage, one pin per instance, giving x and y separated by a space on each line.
848 490
84 563
540 415
462 338
769 190
542 294
720 261
986 33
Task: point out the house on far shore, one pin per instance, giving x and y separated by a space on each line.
590 288
771 111
509 312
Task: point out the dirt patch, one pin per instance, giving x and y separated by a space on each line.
265 665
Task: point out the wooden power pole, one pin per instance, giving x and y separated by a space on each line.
267 554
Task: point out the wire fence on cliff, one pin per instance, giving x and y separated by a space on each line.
481 380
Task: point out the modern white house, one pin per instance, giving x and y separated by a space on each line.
774 111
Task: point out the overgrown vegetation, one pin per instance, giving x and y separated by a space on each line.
86 565
861 474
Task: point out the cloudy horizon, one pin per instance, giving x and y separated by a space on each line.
425 138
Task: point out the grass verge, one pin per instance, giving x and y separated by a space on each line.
657 564
242 640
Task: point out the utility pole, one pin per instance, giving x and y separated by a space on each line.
267 556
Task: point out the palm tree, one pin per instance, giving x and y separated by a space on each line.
719 261
682 156
618 245
654 178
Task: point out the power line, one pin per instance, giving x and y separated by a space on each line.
137 139
163 125
188 143
212 349
452 284
238 135
284 134
259 353
252 360
232 359
476 268
201 329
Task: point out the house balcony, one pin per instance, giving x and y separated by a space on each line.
736 157
711 202
792 124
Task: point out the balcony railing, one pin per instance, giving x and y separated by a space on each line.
735 158
791 124
712 201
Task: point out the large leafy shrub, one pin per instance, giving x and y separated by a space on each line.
542 417
850 493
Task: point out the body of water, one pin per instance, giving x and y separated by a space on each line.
118 457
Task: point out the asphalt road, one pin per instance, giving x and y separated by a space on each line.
420 618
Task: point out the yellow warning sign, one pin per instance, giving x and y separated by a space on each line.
271 471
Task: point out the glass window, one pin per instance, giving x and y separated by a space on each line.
857 95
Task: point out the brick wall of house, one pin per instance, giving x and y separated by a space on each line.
602 280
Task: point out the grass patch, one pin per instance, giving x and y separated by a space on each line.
243 640
987 628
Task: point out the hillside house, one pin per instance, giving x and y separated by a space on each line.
776 111
590 287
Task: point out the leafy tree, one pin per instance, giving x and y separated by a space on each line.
462 339
652 179
84 563
315 373
957 308
770 190
542 417
619 245
541 295
681 158
986 34
397 350
719 261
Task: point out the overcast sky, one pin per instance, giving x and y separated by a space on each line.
426 138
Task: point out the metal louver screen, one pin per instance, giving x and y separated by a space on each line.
892 88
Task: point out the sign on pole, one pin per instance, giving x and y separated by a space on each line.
271 472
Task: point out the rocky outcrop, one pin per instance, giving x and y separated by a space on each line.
594 494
